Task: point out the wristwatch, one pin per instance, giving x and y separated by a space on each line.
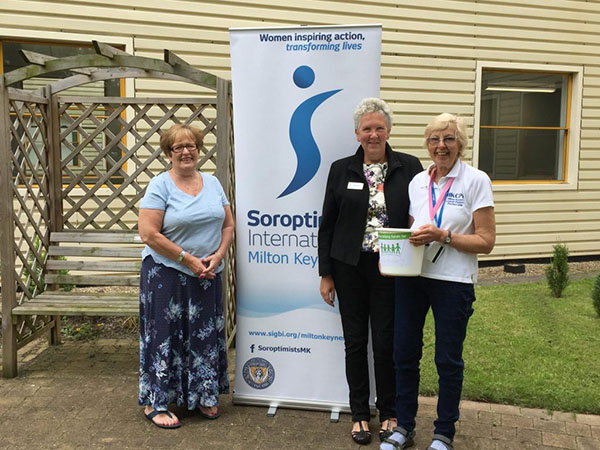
181 256
448 238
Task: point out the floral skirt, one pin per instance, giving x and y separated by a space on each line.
183 354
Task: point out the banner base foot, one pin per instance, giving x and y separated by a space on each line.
334 417
272 411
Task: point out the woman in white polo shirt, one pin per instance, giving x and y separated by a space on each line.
452 212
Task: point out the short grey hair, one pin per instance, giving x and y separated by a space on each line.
443 121
371 105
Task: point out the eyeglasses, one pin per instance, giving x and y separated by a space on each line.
179 148
435 141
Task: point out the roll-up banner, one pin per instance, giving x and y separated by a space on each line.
294 92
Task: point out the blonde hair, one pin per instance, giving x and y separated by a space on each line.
442 122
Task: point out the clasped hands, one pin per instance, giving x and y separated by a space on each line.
204 267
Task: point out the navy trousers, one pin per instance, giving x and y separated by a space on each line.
452 305
364 294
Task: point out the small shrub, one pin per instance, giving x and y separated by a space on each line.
596 295
72 330
65 286
557 273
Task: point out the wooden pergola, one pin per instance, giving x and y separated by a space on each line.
79 163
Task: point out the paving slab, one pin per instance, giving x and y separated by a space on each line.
83 395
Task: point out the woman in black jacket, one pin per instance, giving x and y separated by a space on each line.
365 191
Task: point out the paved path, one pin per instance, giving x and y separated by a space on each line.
82 395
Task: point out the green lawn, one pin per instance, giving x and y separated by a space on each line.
527 348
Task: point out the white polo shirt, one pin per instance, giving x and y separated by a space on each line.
470 191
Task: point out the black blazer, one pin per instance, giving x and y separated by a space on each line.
345 210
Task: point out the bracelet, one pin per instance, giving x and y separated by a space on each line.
181 256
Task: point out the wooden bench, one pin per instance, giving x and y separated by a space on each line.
89 259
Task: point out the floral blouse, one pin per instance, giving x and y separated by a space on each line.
377 214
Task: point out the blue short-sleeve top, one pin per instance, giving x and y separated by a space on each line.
192 222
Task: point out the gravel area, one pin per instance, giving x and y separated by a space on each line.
535 272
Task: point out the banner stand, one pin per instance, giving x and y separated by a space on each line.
291 403
294 92
273 405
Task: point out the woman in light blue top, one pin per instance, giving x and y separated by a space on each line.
186 223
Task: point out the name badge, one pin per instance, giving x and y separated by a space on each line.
434 251
355 185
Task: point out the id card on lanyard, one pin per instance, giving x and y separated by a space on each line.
436 211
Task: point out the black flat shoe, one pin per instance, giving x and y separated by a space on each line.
387 431
362 437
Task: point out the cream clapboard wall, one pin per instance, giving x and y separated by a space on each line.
429 54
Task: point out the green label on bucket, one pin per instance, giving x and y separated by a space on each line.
393 236
391 249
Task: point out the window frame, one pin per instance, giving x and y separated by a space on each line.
11 34
127 85
572 150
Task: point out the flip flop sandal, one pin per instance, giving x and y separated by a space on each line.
386 432
210 416
362 436
155 413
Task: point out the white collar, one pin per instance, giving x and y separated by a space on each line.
453 172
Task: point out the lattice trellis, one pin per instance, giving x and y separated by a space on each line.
82 163
117 146
111 176
29 167
230 281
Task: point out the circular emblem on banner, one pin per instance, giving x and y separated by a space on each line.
258 373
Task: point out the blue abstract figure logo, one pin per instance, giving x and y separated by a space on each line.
301 137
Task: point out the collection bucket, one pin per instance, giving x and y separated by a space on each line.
397 256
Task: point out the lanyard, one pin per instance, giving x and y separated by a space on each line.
434 206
